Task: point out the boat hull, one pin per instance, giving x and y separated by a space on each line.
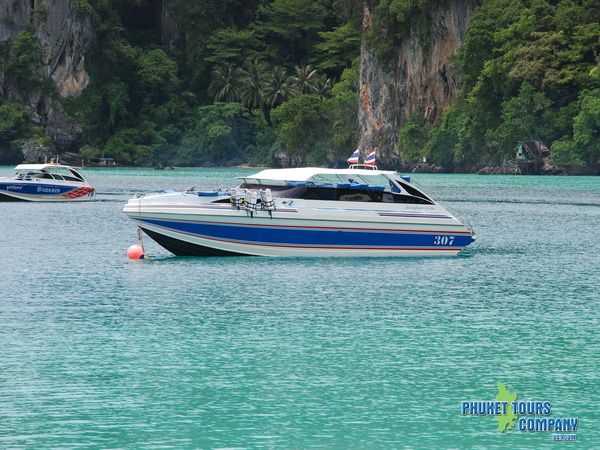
221 230
181 244
182 247
45 192
4 197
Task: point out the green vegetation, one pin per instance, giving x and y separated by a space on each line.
392 20
529 71
262 81
208 98
12 124
206 93
21 58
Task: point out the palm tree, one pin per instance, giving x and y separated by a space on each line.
225 83
278 87
303 78
253 80
322 87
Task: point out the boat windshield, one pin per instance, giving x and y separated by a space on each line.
370 180
75 174
65 173
54 173
350 188
31 174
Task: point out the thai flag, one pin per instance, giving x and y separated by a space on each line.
354 157
370 160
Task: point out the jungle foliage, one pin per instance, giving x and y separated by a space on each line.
530 70
209 83
232 81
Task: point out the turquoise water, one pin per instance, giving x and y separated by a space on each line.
100 351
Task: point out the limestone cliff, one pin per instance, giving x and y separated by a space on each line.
64 34
420 77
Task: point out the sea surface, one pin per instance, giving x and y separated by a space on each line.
98 351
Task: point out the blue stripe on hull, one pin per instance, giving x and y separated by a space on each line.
35 189
312 237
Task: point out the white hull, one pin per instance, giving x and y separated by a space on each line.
10 196
186 224
46 183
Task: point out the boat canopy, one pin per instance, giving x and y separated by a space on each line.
307 181
40 167
55 171
315 174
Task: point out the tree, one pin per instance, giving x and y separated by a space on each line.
524 118
584 146
157 71
225 83
288 28
540 61
253 79
117 98
586 127
134 145
341 111
278 87
202 17
405 9
20 58
322 87
14 129
221 134
303 78
231 46
12 120
413 136
301 125
338 47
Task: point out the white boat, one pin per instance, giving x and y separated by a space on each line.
303 212
46 183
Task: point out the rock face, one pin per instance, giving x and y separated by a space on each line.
64 35
34 152
14 16
65 39
420 78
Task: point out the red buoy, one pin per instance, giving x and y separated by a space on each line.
135 252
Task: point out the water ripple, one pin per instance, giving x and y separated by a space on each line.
100 351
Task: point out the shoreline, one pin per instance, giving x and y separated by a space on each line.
590 170
486 170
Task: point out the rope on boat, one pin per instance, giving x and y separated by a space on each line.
139 235
138 232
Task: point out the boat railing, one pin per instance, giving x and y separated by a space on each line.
363 166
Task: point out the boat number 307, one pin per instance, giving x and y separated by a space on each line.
443 240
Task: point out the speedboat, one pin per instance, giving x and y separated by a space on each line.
46 183
303 212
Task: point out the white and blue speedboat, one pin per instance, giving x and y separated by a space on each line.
303 212
46 183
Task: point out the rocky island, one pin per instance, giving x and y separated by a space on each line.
456 85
